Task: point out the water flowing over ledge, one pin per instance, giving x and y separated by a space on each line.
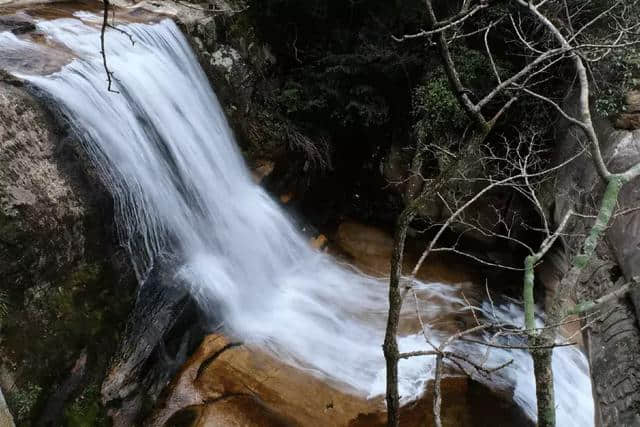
163 147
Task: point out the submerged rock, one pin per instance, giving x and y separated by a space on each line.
17 24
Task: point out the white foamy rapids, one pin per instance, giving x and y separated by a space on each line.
164 149
16 51
572 383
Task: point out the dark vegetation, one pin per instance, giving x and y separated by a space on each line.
356 94
341 77
353 90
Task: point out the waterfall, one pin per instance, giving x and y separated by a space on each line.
164 149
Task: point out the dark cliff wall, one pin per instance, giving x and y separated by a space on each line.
612 338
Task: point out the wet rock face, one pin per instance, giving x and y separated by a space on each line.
66 285
164 327
235 61
245 75
231 384
16 24
76 345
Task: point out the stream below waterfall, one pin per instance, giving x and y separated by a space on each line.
164 149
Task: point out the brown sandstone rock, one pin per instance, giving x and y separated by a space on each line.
628 121
229 384
286 198
632 99
262 169
361 240
6 419
631 119
240 411
319 242
221 369
371 248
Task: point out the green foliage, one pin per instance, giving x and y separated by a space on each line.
436 107
301 30
609 102
22 400
55 321
365 107
621 73
338 91
619 69
296 100
86 410
474 68
341 71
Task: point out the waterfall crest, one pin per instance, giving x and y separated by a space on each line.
163 147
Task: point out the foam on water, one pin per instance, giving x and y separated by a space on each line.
163 147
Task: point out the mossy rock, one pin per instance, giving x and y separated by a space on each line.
86 409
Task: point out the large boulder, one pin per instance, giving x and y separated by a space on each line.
66 284
613 339
164 327
232 384
370 248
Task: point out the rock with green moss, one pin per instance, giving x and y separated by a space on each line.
67 286
23 400
86 409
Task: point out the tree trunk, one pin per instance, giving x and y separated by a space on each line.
544 383
390 346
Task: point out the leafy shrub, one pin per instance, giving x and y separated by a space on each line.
86 410
22 401
435 105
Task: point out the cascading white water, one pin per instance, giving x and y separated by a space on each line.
164 149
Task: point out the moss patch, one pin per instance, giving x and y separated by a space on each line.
86 410
44 334
23 400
